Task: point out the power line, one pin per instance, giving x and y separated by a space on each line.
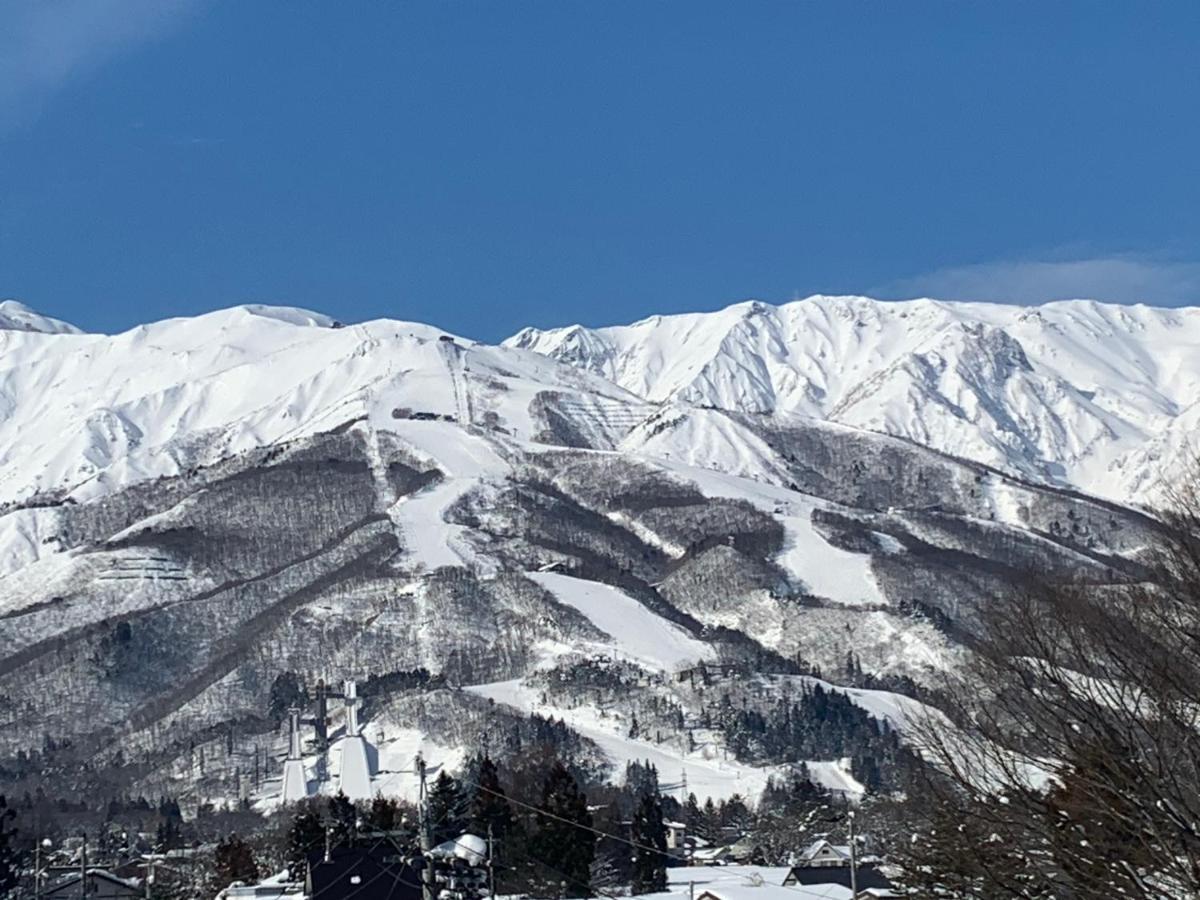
550 815
372 880
575 881
397 878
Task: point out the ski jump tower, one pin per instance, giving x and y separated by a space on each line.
295 784
355 777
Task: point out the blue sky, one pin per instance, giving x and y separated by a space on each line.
487 165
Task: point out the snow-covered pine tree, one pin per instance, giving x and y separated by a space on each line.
563 843
650 852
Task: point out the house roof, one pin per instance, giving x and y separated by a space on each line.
369 874
824 848
744 883
101 874
710 852
867 876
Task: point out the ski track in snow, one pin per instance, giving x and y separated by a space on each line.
825 570
466 460
638 633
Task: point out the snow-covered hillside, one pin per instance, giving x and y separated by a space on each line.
636 552
1098 396
83 413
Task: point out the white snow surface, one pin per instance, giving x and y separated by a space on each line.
85 413
638 633
743 883
16 316
1099 396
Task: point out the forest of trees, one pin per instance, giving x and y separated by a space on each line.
820 724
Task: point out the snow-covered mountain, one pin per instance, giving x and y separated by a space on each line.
1098 396
16 316
564 525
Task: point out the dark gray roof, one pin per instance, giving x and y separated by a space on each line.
868 876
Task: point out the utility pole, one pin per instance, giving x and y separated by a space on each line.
37 867
148 877
427 886
853 859
491 863
83 867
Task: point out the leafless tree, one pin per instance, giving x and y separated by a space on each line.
1067 761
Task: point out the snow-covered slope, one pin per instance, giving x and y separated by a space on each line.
194 507
16 316
83 413
1098 396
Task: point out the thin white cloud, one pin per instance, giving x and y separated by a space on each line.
1118 279
46 43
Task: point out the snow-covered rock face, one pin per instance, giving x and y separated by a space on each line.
16 316
1093 395
195 506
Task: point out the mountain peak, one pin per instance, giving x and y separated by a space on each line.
16 316
1067 390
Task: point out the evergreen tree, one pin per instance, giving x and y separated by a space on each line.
563 842
305 836
650 854
735 814
693 816
384 814
445 807
712 820
343 820
233 861
168 835
489 807
10 856
641 778
286 692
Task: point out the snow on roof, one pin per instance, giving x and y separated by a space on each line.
468 847
710 852
824 848
745 883
103 875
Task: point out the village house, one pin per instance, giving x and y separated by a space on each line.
99 885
